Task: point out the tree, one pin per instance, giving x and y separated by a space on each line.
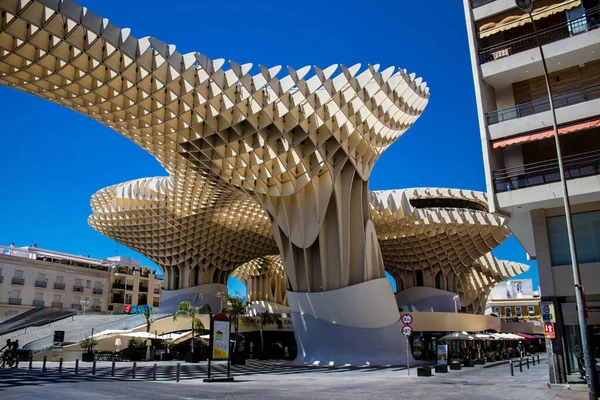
264 319
187 310
136 343
236 307
148 320
89 343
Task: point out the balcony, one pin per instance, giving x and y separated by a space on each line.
41 284
118 300
143 289
543 172
543 105
97 291
479 3
57 305
59 286
18 281
78 288
14 302
38 303
118 286
156 290
96 309
548 35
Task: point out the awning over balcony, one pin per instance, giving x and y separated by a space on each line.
547 134
516 17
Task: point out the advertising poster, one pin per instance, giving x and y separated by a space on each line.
220 340
442 354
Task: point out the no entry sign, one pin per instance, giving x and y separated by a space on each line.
407 319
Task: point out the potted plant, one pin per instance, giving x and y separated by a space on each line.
88 343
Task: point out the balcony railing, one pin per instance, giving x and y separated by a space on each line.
117 300
156 291
543 172
38 303
57 304
542 105
143 289
78 288
119 286
548 35
59 286
96 309
97 291
479 3
15 302
41 284
18 281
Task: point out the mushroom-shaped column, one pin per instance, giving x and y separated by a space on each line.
325 136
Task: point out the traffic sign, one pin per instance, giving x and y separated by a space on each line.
407 330
407 319
547 311
549 331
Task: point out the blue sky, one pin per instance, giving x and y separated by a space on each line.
54 159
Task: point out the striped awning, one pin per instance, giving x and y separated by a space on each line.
519 18
547 134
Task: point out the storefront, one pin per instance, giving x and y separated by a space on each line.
573 335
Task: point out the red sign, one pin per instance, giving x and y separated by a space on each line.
407 330
407 319
127 309
549 331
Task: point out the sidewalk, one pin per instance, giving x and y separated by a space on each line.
577 392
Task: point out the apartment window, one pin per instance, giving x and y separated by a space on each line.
97 285
78 282
39 296
531 311
128 299
518 312
586 227
19 274
41 277
15 297
76 300
88 284
60 280
497 311
57 298
508 312
96 303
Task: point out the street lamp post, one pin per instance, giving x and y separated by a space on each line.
527 6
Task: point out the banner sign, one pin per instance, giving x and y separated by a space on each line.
220 337
442 354
129 309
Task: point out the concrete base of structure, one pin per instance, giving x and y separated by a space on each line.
171 298
356 325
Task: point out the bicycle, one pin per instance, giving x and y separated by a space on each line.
9 358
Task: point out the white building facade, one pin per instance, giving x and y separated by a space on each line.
519 152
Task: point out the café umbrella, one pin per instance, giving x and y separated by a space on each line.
458 336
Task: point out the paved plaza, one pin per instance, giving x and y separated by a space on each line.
277 380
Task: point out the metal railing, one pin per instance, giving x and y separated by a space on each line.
143 289
117 300
479 3
538 106
41 284
120 286
540 173
16 302
59 286
57 304
97 291
156 291
552 34
38 303
78 288
18 281
96 308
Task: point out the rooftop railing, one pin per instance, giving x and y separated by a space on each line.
543 172
542 105
552 34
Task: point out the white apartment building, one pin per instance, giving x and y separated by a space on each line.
519 153
33 277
